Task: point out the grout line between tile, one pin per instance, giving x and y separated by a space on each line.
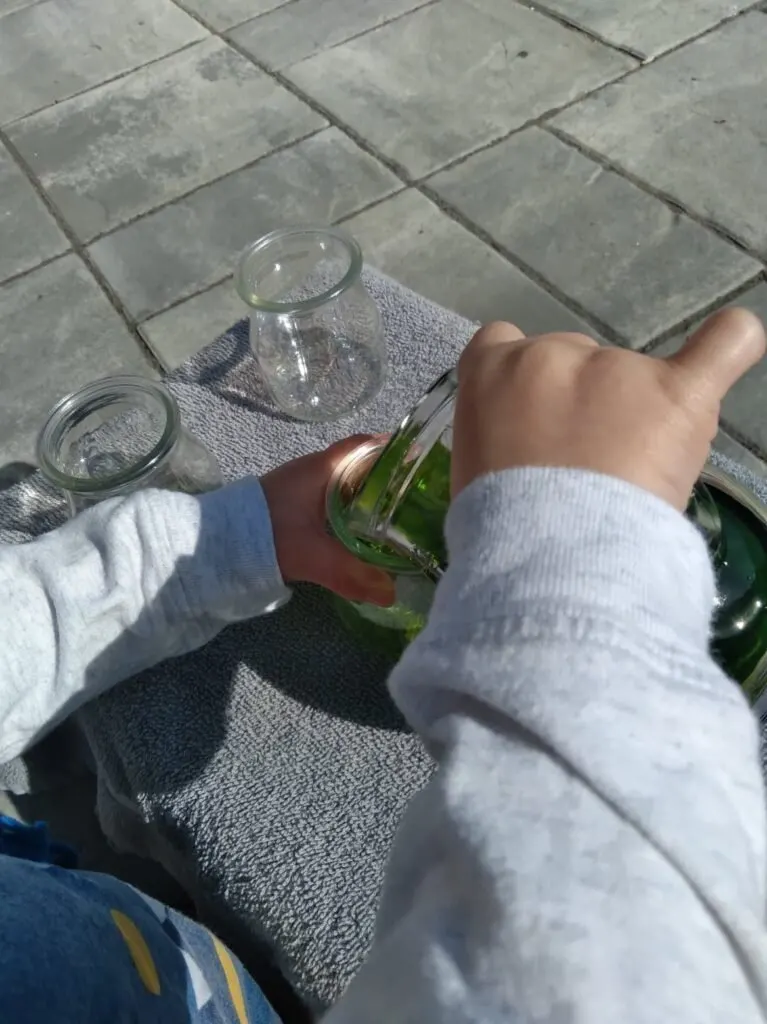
92 88
607 332
209 287
419 184
212 28
420 6
542 8
21 7
177 200
371 205
182 299
38 266
703 312
408 181
564 21
658 194
79 249
543 119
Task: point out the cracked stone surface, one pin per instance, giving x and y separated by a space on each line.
506 159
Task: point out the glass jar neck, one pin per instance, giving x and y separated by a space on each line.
109 437
294 271
342 490
380 495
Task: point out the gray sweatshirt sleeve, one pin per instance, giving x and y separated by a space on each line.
122 586
592 847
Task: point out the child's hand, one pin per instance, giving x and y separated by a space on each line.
306 552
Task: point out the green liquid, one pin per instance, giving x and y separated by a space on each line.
389 630
737 542
420 516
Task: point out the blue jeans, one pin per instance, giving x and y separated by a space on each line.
85 948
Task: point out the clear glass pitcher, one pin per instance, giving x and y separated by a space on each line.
119 435
388 504
315 331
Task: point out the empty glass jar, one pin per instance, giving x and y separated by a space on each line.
119 435
314 330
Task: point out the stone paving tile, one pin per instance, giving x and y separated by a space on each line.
49 51
129 146
7 6
301 29
745 407
411 239
57 332
649 28
623 255
223 14
178 333
449 78
29 233
193 243
693 125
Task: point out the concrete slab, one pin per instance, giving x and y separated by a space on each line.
221 14
621 254
52 50
650 28
126 147
411 239
29 233
693 125
744 407
57 332
193 243
179 332
452 77
300 29
6 6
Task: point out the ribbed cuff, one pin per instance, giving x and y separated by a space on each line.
580 542
236 540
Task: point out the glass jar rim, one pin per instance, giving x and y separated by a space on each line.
306 305
420 428
84 400
384 557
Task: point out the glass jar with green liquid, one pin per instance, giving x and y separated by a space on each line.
387 504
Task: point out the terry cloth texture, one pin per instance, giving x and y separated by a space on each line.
268 771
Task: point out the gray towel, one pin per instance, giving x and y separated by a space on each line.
268 771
